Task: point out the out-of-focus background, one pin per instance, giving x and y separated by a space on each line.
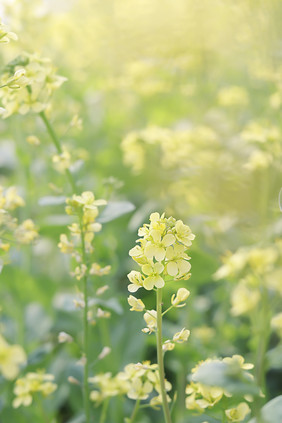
180 103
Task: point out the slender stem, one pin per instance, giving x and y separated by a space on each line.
41 411
168 309
85 330
71 180
104 411
134 412
160 357
58 146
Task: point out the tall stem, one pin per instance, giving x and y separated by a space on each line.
71 180
58 146
160 357
85 330
134 412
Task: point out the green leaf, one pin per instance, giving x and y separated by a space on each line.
280 199
218 373
115 209
274 357
271 412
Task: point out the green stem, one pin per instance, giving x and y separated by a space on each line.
71 180
161 358
58 146
134 412
104 411
85 331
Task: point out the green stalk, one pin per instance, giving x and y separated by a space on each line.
58 146
135 411
86 392
104 411
161 357
71 180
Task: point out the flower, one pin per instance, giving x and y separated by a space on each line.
136 305
136 280
97 270
5 34
150 318
202 396
33 382
237 414
161 252
157 246
11 358
153 271
178 265
28 83
181 336
182 295
183 233
64 337
26 232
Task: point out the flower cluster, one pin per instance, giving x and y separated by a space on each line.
201 397
24 233
27 84
175 148
253 267
137 381
161 252
85 207
11 358
5 34
27 386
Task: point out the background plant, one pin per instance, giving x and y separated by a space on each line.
198 135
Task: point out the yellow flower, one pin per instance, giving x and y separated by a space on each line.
26 232
202 396
31 81
33 382
140 390
183 233
178 264
33 140
153 271
244 298
181 336
65 245
11 358
136 305
97 270
168 346
136 280
5 34
238 361
150 318
237 414
182 295
62 161
12 199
